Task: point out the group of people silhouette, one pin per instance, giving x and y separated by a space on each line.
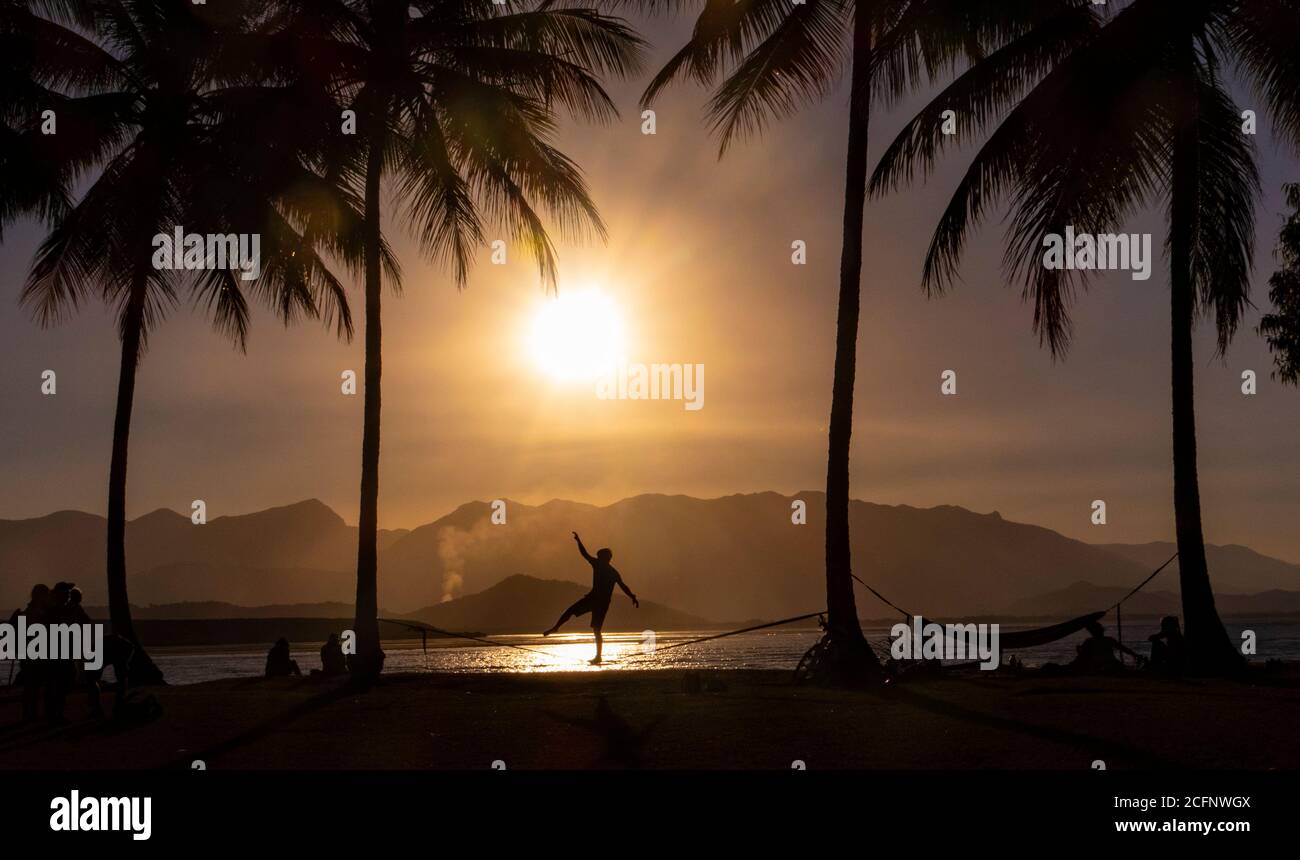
61 604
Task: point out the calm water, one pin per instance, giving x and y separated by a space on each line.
767 649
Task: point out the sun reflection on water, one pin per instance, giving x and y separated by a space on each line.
561 652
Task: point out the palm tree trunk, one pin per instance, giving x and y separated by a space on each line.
368 662
141 669
1208 647
855 658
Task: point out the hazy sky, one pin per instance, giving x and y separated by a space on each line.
698 260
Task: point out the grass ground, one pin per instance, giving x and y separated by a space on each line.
662 719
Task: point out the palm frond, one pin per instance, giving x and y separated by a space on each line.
796 64
981 95
725 32
1227 183
1265 38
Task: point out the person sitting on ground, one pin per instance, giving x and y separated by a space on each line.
278 662
603 579
1168 649
332 660
1096 654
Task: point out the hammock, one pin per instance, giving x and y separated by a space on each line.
1042 635
1030 638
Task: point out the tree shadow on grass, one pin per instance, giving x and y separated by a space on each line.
271 725
1097 747
624 745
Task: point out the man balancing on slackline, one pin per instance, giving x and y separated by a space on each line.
603 579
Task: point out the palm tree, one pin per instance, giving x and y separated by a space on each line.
143 93
455 105
1134 112
1282 327
774 57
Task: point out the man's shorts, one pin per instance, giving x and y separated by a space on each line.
593 603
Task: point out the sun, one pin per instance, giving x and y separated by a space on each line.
577 336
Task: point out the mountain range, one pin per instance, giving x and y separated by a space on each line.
735 557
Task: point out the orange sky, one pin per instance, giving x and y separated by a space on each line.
698 261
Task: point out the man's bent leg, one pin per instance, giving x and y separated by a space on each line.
565 616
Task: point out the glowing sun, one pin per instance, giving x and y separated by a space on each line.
577 336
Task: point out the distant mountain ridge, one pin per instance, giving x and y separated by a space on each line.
292 554
1234 568
732 557
1083 597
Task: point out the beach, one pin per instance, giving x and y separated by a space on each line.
671 719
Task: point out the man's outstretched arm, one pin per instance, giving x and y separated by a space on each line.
628 592
582 549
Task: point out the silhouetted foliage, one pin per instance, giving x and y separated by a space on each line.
1282 327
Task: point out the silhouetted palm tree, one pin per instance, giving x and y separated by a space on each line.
774 57
1281 328
455 104
1135 112
152 114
